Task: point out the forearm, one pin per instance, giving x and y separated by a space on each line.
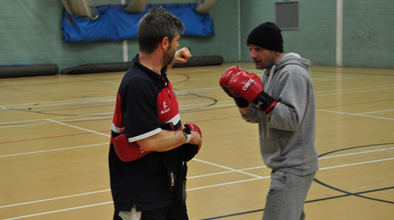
164 141
245 110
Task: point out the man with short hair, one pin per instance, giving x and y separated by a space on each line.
153 186
282 102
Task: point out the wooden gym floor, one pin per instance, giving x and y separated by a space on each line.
55 133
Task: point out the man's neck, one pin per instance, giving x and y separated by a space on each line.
278 57
151 61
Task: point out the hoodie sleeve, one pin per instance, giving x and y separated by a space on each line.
294 87
253 115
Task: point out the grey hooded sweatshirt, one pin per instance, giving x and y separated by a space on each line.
287 138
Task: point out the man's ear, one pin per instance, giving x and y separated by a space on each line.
165 43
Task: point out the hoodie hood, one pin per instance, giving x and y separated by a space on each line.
288 60
293 59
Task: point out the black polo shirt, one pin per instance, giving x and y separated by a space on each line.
145 102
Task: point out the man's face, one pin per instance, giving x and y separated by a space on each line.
170 53
263 58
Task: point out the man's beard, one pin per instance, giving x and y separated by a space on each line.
267 63
169 56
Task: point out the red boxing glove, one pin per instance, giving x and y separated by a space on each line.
127 152
195 128
250 87
225 80
227 76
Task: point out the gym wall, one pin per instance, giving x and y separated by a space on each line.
30 33
368 27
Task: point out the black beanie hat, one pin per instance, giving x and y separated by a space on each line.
267 35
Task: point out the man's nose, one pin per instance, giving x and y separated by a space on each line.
253 54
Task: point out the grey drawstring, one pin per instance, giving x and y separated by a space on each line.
270 77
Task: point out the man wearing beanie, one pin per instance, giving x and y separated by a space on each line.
282 101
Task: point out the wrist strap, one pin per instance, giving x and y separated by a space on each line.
188 134
188 137
264 102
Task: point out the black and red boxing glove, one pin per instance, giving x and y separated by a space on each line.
193 127
250 87
127 152
224 81
191 149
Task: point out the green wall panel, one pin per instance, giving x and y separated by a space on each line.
316 37
30 33
368 33
253 13
225 42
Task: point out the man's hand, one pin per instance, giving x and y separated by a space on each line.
182 55
196 135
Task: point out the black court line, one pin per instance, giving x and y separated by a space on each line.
356 194
38 110
310 201
349 193
214 102
346 193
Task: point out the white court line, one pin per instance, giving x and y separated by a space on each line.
210 174
100 191
71 101
365 113
84 129
199 89
71 118
203 90
61 210
196 92
354 164
229 183
356 153
58 149
75 116
203 104
227 168
218 104
111 98
314 79
50 122
330 92
340 93
190 79
218 173
352 89
94 80
191 189
225 172
13 126
331 79
51 199
345 113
